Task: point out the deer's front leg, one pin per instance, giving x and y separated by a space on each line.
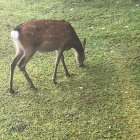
58 57
64 65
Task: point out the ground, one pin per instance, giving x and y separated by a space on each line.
100 101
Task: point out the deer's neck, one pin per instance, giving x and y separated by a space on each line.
78 47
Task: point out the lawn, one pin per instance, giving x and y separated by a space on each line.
98 102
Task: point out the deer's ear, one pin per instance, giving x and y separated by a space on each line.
84 43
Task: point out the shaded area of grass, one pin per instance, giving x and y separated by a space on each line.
100 101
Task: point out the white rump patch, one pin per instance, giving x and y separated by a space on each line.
14 34
19 47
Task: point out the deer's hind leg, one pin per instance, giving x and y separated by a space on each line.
22 65
19 54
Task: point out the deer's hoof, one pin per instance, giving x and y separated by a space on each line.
54 81
68 75
33 88
12 91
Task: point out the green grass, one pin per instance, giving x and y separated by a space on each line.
98 102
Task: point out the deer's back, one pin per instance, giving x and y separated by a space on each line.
46 35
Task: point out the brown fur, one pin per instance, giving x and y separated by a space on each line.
45 36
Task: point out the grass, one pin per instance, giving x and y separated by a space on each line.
100 101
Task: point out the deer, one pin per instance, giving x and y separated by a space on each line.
44 36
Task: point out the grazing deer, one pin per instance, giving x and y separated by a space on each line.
44 36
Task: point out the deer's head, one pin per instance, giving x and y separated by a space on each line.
80 57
